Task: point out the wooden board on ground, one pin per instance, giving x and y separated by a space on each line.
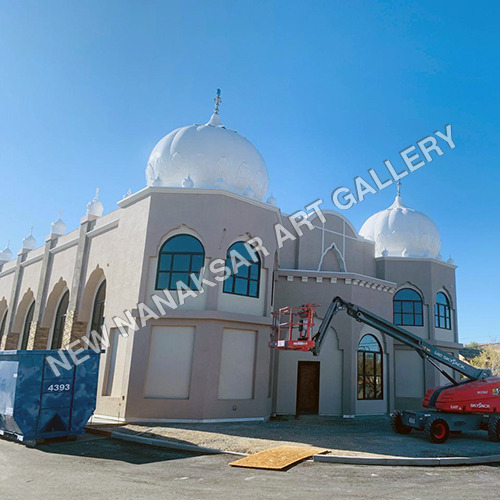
278 458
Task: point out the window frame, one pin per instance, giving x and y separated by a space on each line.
101 304
378 378
402 313
229 285
442 313
3 323
59 322
171 271
27 326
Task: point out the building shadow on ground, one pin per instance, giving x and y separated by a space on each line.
104 448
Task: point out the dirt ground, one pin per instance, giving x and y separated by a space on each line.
362 436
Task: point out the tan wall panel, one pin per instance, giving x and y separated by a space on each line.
237 364
170 360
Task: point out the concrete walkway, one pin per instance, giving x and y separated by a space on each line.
364 440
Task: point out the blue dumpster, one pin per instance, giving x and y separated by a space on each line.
41 399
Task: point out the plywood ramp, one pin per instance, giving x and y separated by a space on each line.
278 458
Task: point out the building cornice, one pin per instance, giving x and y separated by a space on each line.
416 259
348 278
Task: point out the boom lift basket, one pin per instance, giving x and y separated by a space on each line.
293 328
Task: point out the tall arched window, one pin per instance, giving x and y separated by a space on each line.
57 333
98 310
180 256
3 324
442 313
246 279
27 325
408 308
370 369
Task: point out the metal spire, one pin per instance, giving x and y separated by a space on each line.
399 188
217 100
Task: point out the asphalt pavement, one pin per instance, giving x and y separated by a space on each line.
101 468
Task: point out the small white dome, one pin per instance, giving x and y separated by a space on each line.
399 231
272 201
29 243
6 254
187 182
212 156
95 207
58 227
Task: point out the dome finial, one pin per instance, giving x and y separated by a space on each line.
217 100
399 188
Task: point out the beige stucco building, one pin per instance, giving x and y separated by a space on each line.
208 358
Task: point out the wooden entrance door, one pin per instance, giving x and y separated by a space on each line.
308 388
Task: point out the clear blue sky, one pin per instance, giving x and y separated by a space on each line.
325 90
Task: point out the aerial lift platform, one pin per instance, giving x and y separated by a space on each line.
469 404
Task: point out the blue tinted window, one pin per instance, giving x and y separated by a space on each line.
408 308
442 312
181 259
244 264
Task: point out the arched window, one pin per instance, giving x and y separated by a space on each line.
442 314
244 278
370 369
180 256
408 308
98 309
27 325
57 333
3 324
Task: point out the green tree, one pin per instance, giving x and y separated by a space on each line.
488 358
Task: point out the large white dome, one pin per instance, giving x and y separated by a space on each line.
208 156
399 231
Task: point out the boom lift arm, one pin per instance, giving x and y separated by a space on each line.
424 349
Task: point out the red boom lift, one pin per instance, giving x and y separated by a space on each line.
473 403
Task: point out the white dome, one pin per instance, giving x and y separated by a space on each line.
206 157
399 231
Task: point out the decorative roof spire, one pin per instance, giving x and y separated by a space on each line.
398 201
95 207
215 118
5 254
29 243
58 227
217 100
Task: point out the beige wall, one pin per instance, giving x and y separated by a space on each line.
210 359
338 358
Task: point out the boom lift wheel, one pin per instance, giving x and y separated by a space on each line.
437 430
494 428
397 423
